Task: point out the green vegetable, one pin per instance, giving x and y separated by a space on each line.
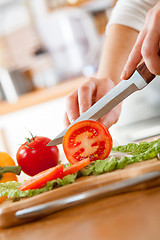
99 167
141 152
135 148
10 189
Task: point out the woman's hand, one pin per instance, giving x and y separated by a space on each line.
147 45
89 93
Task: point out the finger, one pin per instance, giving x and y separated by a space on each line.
111 117
72 107
105 86
150 49
134 57
66 120
85 95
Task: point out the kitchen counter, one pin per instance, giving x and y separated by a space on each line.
127 216
42 95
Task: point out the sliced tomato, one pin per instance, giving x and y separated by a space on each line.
87 139
40 179
75 167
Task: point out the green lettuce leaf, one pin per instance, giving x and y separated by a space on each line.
99 167
136 148
10 189
141 152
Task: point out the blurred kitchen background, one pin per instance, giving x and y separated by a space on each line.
48 48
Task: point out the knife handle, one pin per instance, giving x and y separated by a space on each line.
145 73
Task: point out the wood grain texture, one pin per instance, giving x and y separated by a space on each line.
123 217
7 212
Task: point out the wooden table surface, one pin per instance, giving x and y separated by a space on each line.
134 215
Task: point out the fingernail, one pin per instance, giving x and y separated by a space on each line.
124 74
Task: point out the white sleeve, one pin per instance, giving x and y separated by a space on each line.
131 13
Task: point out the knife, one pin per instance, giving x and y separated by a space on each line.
139 79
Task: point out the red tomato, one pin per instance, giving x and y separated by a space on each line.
42 178
75 167
34 156
87 139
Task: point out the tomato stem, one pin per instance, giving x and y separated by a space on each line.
28 146
30 140
12 169
32 136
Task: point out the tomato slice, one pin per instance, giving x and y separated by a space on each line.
87 139
38 180
75 167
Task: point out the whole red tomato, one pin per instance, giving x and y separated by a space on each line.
34 156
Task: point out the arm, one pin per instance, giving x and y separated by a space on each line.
118 44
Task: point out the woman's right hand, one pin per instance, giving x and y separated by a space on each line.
89 93
147 45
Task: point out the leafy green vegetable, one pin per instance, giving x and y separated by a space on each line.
10 189
141 152
99 167
135 148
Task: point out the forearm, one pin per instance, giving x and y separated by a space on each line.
117 47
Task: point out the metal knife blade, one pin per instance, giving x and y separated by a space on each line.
109 101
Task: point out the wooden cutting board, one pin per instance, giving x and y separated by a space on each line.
8 209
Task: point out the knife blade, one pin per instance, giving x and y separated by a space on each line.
139 79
